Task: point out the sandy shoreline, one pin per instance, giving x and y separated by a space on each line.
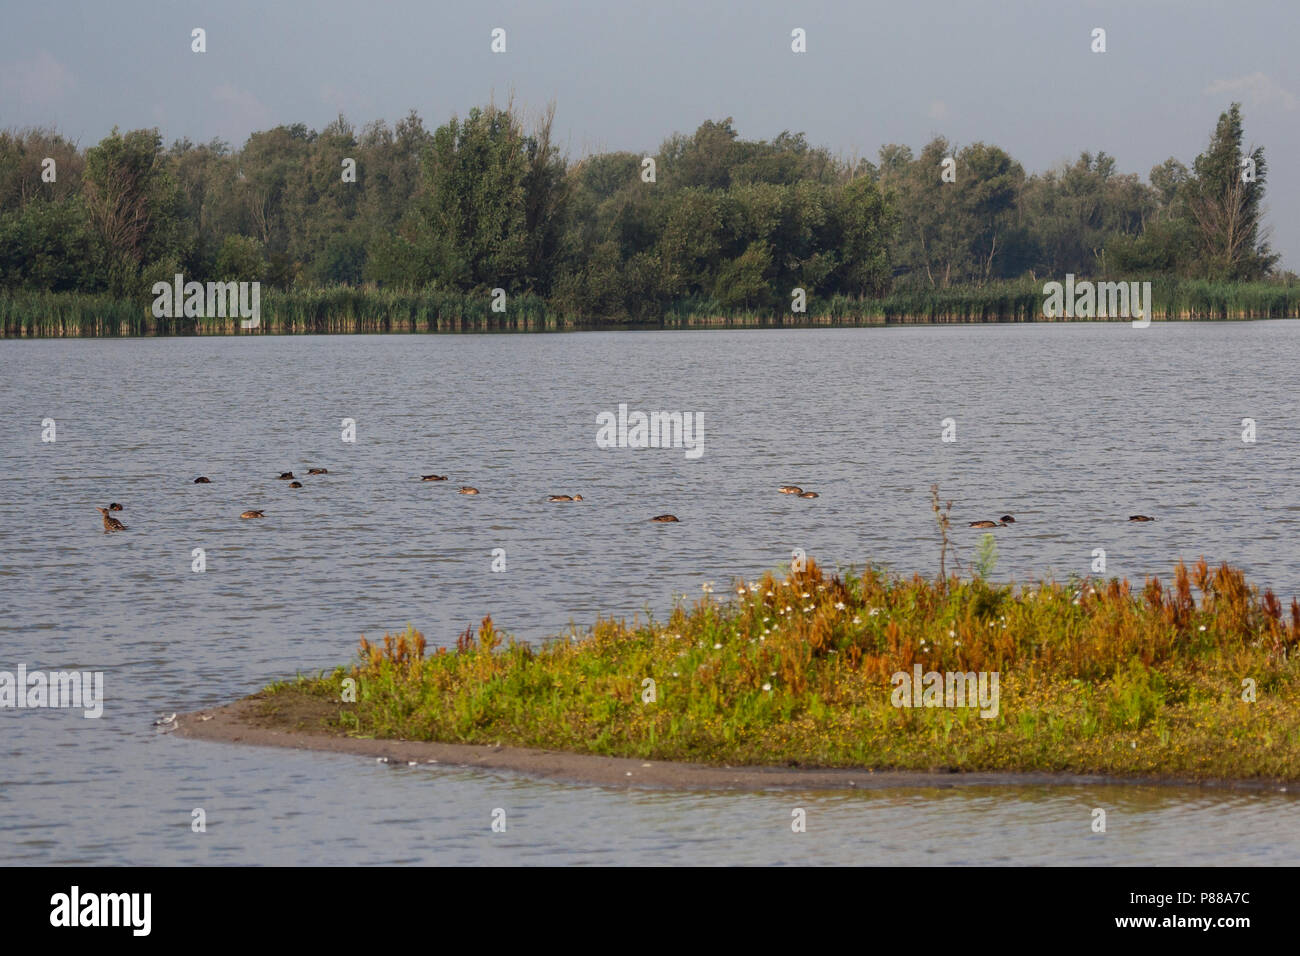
242 722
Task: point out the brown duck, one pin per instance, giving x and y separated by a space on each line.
114 507
790 490
201 480
433 477
664 518
467 490
565 498
110 523
1140 518
286 476
252 514
808 494
318 471
295 484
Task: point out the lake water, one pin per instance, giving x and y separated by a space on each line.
1071 428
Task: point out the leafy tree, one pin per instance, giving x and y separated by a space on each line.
1225 205
933 246
342 261
47 245
865 223
742 282
240 260
1077 212
22 164
133 204
475 209
731 223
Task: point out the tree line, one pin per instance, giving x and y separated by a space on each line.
488 201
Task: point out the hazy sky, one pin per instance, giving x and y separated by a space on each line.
1016 73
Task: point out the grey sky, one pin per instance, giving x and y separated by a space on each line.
624 75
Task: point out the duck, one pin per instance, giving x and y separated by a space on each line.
318 471
286 476
1140 518
433 477
201 480
565 498
110 523
252 514
790 490
986 524
664 518
114 507
467 490
295 484
1007 519
808 494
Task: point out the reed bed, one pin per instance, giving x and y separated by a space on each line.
1019 301
797 669
351 310
334 310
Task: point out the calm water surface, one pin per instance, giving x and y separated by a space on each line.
1071 428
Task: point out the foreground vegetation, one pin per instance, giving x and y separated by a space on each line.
1195 680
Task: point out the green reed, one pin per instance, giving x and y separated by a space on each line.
348 309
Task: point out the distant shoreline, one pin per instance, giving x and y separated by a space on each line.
347 310
506 327
241 722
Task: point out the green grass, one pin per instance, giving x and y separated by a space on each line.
1095 677
337 309
1017 301
345 309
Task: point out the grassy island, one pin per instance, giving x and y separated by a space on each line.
1197 680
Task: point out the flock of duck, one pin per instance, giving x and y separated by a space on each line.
797 492
113 524
1008 519
470 490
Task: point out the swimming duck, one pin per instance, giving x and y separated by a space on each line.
565 498
808 494
664 518
318 471
467 490
295 484
252 514
1140 518
986 524
790 490
286 476
433 477
200 480
110 524
114 507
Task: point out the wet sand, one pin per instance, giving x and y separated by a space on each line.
247 721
